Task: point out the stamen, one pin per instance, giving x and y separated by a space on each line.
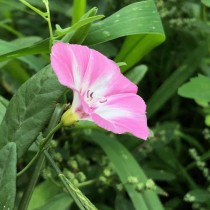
88 93
103 100
91 95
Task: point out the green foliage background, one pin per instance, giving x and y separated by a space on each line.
113 171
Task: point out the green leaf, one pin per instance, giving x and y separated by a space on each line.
160 175
206 2
42 193
30 109
80 199
58 202
8 161
8 47
48 196
137 18
26 41
10 5
2 111
4 101
81 33
36 48
122 23
103 207
63 6
3 107
136 74
78 9
43 46
173 82
174 203
198 88
168 159
77 25
126 166
121 203
136 47
207 120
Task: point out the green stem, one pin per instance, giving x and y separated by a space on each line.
29 164
45 15
187 177
89 182
191 140
29 190
49 23
33 180
45 141
204 157
81 200
42 14
42 146
10 29
59 173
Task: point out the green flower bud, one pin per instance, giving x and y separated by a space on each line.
73 164
140 187
189 198
150 185
132 180
69 117
58 157
107 172
81 177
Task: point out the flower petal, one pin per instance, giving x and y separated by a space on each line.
103 77
80 106
123 113
83 69
69 63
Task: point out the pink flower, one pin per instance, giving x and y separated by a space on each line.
101 93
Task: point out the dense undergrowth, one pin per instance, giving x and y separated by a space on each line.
173 79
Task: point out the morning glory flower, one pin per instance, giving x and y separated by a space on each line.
101 93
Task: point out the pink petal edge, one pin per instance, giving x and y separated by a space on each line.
123 113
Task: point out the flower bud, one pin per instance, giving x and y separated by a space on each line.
69 117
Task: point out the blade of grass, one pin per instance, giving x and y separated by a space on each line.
79 7
126 166
140 18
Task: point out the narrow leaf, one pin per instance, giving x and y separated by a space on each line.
79 7
136 47
137 18
126 166
8 47
36 48
43 45
136 74
77 25
81 33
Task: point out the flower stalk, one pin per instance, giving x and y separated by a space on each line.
81 200
39 158
45 15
